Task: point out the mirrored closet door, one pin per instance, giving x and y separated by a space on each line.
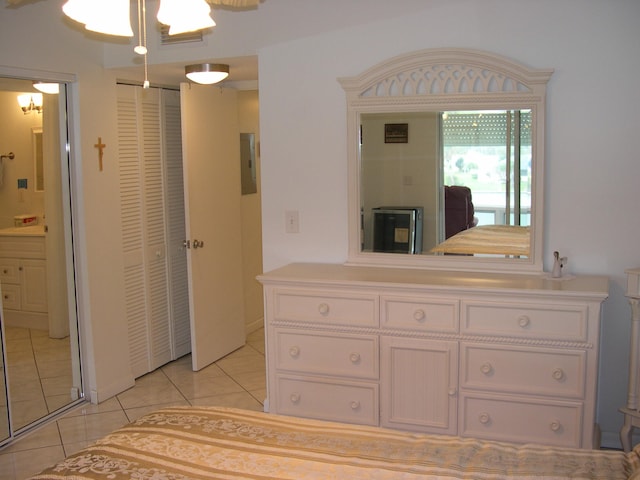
40 351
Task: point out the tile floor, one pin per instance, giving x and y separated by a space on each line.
40 377
236 380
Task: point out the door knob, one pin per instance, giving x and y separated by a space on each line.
198 243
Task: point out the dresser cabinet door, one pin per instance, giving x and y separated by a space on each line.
419 384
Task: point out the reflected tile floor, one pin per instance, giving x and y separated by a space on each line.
236 380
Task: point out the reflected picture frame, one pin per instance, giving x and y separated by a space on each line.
396 133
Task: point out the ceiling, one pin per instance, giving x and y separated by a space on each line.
242 71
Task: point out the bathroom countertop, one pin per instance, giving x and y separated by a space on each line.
30 231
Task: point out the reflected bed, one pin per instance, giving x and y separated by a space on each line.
180 443
488 239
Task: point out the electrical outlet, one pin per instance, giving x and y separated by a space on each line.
292 221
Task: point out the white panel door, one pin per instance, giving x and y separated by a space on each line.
211 159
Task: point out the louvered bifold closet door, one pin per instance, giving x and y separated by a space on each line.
143 227
175 223
154 218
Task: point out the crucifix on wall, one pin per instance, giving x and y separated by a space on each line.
100 146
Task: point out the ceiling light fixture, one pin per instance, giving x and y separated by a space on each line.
47 87
207 73
114 17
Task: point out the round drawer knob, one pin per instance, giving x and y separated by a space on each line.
452 392
555 426
5 271
486 368
295 398
558 374
355 405
294 352
354 357
484 418
323 308
524 321
419 315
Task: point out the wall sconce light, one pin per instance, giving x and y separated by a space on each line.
30 102
207 73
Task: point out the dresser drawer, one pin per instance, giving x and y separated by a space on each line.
521 420
326 307
330 400
555 322
9 270
328 354
535 371
419 313
11 295
22 246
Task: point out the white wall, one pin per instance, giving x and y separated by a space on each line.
592 159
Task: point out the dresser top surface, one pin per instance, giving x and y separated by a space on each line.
30 231
335 274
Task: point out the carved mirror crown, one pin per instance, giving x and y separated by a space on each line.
437 81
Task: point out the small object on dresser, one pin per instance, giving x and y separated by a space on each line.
558 263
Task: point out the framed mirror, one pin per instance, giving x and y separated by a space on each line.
446 162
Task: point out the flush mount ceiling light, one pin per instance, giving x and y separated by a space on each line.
207 73
46 87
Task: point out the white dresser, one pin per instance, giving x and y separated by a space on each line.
23 276
495 356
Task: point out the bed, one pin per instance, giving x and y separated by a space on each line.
180 443
488 239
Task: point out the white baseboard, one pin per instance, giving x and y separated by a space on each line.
254 325
112 390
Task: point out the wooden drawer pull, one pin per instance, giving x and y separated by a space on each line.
419 315
355 405
323 308
484 418
558 374
524 321
295 398
354 357
555 426
294 352
5 271
486 368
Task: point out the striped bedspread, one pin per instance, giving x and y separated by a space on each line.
488 239
223 443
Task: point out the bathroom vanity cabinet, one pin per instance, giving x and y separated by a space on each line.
489 355
23 276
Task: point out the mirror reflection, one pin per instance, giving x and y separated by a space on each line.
446 182
42 369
